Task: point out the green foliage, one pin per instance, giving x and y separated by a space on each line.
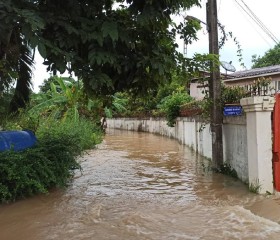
63 133
46 85
118 105
178 81
270 58
22 62
188 30
229 95
8 76
51 163
232 94
64 99
16 62
85 134
5 99
111 47
129 104
239 49
171 104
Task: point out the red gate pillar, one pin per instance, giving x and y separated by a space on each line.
276 143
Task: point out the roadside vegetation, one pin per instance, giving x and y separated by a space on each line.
67 122
126 58
173 100
123 53
64 126
50 163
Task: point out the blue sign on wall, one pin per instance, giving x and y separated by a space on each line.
232 110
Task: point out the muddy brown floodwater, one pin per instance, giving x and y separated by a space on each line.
141 186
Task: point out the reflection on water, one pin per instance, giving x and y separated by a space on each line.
142 186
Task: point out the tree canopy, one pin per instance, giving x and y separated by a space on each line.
110 45
270 58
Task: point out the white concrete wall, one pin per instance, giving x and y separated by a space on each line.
197 135
235 145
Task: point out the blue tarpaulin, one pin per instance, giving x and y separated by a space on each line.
16 140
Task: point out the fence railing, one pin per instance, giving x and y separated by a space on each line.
260 87
254 90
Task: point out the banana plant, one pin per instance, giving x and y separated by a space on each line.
62 100
118 105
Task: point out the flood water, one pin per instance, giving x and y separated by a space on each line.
143 186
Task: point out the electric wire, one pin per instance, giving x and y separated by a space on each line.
260 22
253 16
252 24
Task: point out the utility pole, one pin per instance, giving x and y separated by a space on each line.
215 86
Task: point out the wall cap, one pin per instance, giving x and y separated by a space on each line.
258 104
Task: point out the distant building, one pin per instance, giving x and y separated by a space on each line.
245 78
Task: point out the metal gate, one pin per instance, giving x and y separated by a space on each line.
276 143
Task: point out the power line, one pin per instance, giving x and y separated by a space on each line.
261 23
254 17
256 21
253 25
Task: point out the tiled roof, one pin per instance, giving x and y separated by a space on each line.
256 72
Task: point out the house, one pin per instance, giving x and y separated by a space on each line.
248 77
244 78
199 85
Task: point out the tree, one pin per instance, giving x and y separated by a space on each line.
16 57
23 66
46 85
110 45
270 58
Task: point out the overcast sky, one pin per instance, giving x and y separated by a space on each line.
252 38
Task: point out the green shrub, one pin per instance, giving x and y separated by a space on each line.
232 94
35 170
82 133
50 163
171 104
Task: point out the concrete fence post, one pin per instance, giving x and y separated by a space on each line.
259 139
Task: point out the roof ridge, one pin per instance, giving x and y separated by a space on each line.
256 71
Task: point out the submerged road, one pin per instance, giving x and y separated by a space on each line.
142 186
